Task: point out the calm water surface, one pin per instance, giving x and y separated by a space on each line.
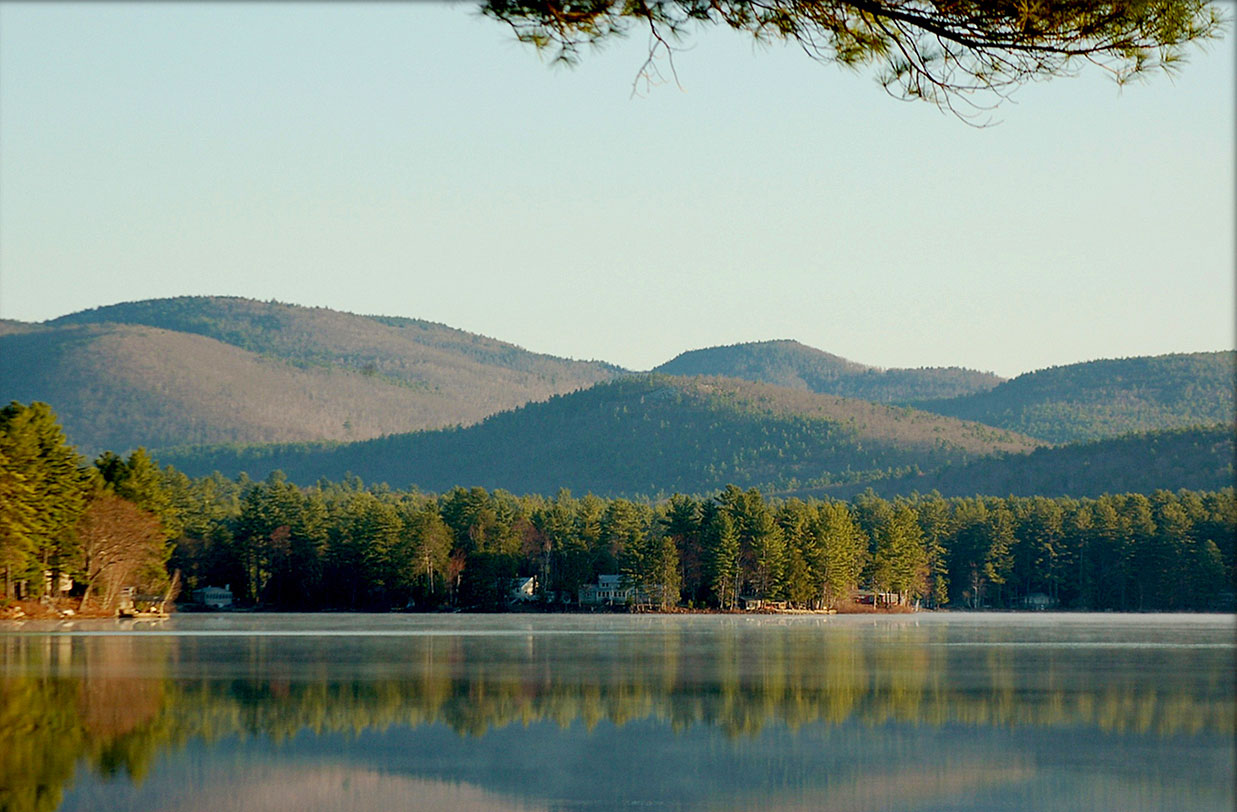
567 712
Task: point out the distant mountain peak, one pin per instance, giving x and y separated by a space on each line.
790 363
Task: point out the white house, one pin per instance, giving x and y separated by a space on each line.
608 589
1038 602
524 589
214 597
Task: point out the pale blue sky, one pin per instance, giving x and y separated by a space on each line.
412 159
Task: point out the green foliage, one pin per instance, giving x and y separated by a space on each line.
1199 458
796 366
724 573
944 53
650 565
140 480
1103 399
45 487
421 556
680 520
900 561
1171 550
644 436
19 520
343 545
839 553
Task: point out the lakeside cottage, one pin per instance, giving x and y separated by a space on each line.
868 597
1038 602
523 588
608 590
214 597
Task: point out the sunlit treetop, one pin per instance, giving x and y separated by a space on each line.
962 55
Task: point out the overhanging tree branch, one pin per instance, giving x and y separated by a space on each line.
940 51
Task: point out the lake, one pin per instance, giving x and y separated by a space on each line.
924 712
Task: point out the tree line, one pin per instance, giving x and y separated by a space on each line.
345 545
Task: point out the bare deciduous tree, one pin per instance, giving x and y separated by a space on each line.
120 545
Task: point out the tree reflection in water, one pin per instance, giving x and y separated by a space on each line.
112 701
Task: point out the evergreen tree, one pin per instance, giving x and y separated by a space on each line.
680 520
421 556
280 535
18 523
723 550
623 525
49 486
998 561
768 552
140 480
650 566
990 49
841 554
900 562
936 524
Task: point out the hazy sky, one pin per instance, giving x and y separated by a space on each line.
412 159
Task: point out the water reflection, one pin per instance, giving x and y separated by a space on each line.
571 712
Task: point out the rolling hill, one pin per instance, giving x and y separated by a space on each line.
1200 458
641 436
797 366
211 370
423 353
204 371
1109 398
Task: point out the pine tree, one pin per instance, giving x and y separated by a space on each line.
900 563
723 557
49 484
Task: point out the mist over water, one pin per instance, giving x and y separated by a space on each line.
529 712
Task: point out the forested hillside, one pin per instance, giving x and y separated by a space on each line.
1098 399
119 386
426 354
125 522
11 326
642 435
794 365
1199 458
210 370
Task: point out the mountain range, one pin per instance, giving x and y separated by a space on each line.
404 400
214 370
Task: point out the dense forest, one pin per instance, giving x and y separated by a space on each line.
204 370
343 545
642 436
655 436
340 545
1107 398
401 348
797 366
1197 459
1063 404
